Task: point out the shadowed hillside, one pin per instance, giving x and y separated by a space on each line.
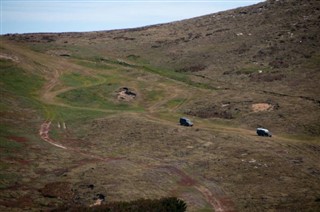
91 119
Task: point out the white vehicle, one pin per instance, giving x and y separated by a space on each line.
263 132
185 122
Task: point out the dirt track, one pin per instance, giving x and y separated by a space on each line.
44 134
203 165
216 198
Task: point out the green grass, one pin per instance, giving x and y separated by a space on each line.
74 114
172 117
100 63
133 57
77 80
94 95
8 145
113 61
177 76
100 96
167 73
17 80
155 95
174 102
94 64
23 86
76 51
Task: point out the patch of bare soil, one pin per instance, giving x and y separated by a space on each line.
99 200
9 57
126 94
259 107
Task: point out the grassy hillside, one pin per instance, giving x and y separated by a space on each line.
267 51
84 114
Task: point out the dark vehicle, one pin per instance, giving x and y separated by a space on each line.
185 122
263 132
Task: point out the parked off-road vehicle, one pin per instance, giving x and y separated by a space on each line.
263 132
186 122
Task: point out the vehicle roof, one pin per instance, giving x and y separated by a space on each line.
260 128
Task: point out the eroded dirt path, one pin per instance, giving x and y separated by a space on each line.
220 203
213 195
44 134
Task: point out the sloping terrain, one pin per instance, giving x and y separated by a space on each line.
248 55
84 114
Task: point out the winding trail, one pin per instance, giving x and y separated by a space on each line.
44 134
213 195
